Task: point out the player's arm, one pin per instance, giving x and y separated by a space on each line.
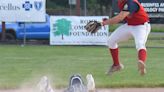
129 8
120 17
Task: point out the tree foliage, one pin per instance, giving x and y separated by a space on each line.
57 4
106 3
90 3
98 7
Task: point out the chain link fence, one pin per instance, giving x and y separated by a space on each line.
155 39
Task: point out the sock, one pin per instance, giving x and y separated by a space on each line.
142 55
115 56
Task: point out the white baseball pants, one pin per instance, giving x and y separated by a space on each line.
125 32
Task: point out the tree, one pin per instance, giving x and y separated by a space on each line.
62 3
107 4
94 7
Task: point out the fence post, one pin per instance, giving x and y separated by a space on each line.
78 7
3 35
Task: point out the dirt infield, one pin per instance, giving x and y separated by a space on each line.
99 90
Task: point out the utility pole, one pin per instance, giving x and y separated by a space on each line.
78 7
85 8
3 35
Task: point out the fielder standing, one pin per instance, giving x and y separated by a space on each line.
136 26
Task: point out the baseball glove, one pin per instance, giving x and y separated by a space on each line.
92 26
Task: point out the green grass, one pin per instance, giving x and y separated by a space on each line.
21 65
154 40
154 27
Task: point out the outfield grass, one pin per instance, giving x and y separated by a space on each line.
154 27
20 65
154 40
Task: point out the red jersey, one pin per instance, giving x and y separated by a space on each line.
136 18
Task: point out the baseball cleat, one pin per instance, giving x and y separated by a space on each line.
115 68
141 67
44 86
90 83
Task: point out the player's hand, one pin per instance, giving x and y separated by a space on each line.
104 20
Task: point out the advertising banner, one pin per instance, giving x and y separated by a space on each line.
153 6
22 10
155 9
69 30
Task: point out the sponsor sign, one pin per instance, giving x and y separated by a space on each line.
155 9
69 30
22 10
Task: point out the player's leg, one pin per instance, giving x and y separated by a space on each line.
90 83
44 85
120 34
140 34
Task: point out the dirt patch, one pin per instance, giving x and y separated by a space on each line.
98 90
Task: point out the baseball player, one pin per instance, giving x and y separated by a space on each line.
76 84
136 26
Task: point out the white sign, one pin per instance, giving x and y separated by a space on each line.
72 2
22 10
69 30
